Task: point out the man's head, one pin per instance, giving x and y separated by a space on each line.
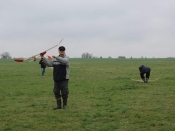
61 50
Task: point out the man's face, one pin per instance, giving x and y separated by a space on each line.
61 52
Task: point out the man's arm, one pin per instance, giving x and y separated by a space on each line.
47 62
64 61
142 75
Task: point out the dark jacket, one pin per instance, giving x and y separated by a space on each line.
60 67
43 65
144 69
59 71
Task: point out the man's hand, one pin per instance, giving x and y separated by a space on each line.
43 53
53 56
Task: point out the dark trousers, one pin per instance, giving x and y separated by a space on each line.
147 75
61 89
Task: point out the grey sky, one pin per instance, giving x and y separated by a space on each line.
101 27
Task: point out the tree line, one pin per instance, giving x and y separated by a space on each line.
5 55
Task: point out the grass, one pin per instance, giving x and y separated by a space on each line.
102 97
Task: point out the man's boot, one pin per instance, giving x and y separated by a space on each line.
146 81
64 103
58 104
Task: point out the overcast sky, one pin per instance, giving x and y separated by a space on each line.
100 27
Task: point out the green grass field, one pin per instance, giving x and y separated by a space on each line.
102 97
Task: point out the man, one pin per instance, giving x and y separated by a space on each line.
60 66
43 66
144 70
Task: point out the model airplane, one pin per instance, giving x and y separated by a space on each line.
37 55
141 81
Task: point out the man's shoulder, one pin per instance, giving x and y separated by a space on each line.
65 56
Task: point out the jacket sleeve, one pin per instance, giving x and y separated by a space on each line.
140 69
64 61
48 63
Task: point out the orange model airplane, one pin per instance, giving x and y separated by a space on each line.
37 55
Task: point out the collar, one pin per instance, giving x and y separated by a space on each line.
63 55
